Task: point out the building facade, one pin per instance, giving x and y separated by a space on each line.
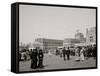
49 44
80 36
71 42
91 36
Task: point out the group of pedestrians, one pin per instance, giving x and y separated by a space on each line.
80 52
36 58
84 52
66 52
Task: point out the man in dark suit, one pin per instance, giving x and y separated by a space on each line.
68 53
34 59
64 53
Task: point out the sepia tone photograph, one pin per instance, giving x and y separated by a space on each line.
54 38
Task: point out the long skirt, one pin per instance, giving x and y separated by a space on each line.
82 56
77 57
40 64
34 63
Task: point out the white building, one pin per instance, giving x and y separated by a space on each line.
91 35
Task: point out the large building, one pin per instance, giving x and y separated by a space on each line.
71 42
80 36
49 44
91 35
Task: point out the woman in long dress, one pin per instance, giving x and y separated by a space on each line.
82 54
49 53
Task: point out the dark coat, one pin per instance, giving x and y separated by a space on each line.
64 51
40 54
68 52
40 57
34 59
34 54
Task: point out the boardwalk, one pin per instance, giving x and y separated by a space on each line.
55 62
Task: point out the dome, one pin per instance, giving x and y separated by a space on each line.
79 35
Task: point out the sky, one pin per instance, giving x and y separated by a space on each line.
53 22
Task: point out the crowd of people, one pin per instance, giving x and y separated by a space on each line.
36 55
80 52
